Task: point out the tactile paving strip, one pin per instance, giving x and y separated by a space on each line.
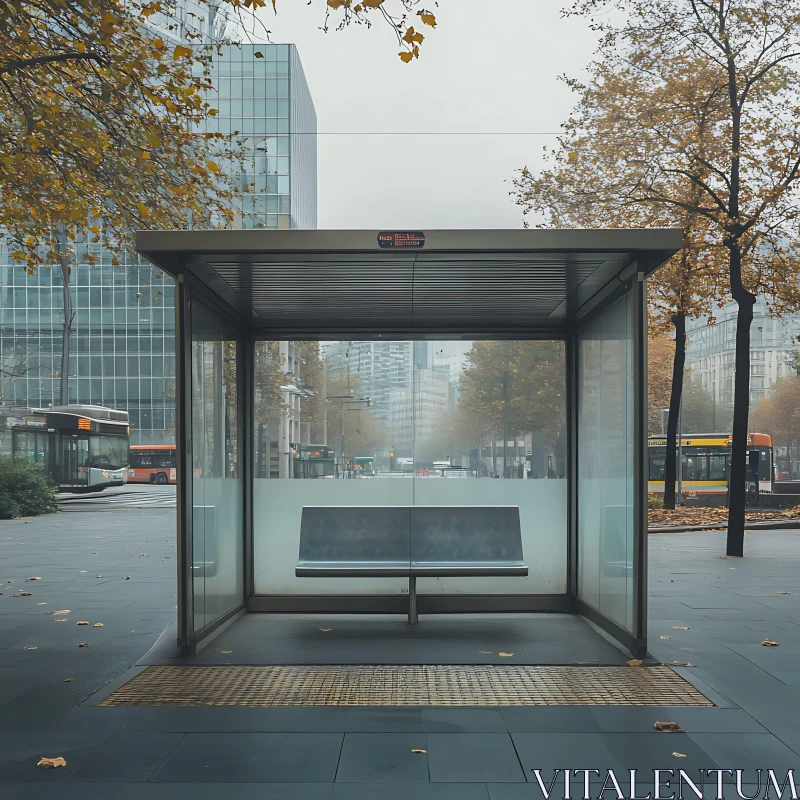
406 686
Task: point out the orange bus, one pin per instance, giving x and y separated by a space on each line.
152 463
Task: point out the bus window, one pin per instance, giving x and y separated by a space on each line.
657 456
718 467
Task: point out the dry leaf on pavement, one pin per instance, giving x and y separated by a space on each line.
30 647
83 644
418 750
226 652
51 763
32 579
82 622
668 727
326 629
68 680
635 662
127 577
98 625
770 643
21 594
505 655
680 627
63 611
679 755
784 592
664 636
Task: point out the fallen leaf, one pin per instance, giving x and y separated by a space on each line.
21 594
505 655
32 579
770 643
98 625
724 558
679 664
417 750
98 576
668 727
664 636
731 567
30 647
635 662
326 629
486 652
63 619
83 644
63 611
226 652
784 592
143 555
82 622
51 763
127 577
68 680
84 570
41 604
679 755
680 628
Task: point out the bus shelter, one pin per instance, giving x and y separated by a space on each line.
404 369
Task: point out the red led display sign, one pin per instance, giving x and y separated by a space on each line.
414 239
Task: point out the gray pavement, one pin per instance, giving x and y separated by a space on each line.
726 606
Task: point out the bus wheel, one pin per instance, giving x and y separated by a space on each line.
161 478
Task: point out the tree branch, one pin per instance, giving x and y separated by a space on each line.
20 64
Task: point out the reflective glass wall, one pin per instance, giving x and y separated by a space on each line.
379 423
217 507
606 463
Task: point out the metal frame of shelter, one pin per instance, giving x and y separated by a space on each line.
348 285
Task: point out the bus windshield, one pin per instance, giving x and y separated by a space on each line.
108 452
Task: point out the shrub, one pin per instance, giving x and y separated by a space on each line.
654 501
25 489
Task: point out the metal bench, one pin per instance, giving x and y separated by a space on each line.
409 542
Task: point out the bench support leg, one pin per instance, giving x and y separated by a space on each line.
412 601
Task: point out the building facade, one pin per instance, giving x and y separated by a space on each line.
122 348
711 349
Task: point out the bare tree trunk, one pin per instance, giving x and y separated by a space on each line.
676 392
67 329
741 406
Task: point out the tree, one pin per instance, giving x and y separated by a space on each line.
746 183
616 129
779 414
510 389
700 414
341 13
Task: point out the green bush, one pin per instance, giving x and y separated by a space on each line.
655 501
25 489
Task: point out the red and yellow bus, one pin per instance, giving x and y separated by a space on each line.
706 462
152 463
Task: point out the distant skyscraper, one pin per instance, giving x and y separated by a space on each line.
122 345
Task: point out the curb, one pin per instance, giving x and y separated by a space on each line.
763 525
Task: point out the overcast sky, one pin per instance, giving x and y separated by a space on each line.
480 75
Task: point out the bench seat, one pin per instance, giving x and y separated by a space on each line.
410 542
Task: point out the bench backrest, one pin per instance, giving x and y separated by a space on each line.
432 534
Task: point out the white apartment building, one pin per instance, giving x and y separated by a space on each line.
710 350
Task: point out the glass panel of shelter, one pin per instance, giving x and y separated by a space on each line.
217 505
436 423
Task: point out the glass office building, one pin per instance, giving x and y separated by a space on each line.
122 351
